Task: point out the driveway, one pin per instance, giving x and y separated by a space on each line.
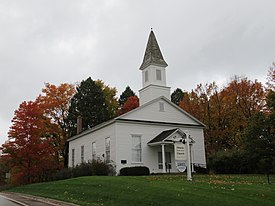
16 199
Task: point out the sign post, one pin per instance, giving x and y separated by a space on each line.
189 174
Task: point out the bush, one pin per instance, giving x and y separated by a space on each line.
84 169
134 171
95 167
230 162
101 168
200 170
63 174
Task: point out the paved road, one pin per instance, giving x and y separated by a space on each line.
15 199
6 202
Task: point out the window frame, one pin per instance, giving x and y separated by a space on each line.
158 75
136 151
161 107
146 76
82 154
93 150
73 157
108 149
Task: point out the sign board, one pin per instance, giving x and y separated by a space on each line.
180 153
180 165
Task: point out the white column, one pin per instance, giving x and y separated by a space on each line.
189 175
163 158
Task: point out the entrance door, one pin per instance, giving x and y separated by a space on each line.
168 161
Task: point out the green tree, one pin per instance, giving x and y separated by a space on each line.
89 103
259 142
128 92
177 96
110 97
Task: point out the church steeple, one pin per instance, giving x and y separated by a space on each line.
153 73
152 53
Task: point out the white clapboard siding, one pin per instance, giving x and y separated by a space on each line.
152 111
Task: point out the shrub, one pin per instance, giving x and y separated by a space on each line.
134 171
230 162
200 170
83 169
63 174
101 168
95 167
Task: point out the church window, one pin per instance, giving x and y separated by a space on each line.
146 76
94 150
161 106
158 73
107 148
82 153
136 148
73 155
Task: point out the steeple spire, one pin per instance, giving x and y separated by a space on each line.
152 54
153 70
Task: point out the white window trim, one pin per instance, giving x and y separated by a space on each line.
161 107
94 151
146 76
108 160
73 157
82 151
141 159
158 74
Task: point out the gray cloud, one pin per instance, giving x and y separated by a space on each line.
67 41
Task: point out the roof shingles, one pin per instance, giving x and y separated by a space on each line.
162 136
152 53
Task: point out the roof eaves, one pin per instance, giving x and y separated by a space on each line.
88 131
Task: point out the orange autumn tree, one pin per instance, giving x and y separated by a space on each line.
29 150
55 101
225 111
204 103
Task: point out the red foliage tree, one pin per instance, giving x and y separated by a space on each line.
131 103
29 150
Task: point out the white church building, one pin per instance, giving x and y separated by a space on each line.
148 135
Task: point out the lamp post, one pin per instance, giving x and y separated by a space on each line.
189 174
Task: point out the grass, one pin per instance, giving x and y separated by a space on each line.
218 190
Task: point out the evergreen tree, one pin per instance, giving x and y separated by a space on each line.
260 142
177 96
128 92
89 103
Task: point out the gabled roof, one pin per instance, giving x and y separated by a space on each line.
152 53
124 116
162 136
165 137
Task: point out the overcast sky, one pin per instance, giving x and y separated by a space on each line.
62 41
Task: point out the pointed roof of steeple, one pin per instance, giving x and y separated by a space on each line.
152 53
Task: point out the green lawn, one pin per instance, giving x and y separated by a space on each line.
171 190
